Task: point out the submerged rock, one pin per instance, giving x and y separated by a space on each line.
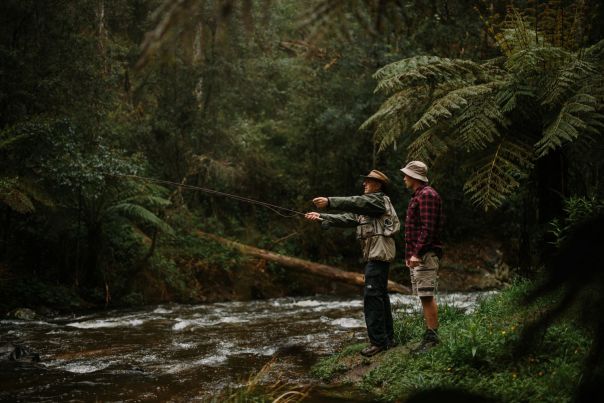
17 352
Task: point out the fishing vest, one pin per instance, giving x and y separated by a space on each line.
375 233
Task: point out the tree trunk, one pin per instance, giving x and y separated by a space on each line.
330 272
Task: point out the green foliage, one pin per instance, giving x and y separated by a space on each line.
329 367
475 354
577 210
32 292
255 101
13 197
506 113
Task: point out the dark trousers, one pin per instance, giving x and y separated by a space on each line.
378 314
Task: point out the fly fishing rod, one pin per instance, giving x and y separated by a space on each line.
282 211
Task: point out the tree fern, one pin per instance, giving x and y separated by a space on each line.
512 110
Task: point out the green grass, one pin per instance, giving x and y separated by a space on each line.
476 354
329 367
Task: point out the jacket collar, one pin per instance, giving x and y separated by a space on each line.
419 189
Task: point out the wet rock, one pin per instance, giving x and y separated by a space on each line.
23 313
17 352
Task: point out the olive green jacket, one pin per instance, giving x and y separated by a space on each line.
375 219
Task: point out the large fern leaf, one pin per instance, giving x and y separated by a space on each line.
13 197
148 200
479 124
570 123
426 70
568 79
498 176
427 147
140 214
444 107
394 116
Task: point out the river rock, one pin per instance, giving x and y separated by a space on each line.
23 313
17 352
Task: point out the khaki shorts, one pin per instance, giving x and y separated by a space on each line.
424 277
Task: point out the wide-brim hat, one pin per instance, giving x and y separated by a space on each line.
417 170
378 176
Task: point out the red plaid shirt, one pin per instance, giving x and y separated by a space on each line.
424 223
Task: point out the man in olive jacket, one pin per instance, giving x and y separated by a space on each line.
376 221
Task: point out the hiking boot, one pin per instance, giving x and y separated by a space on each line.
372 350
429 341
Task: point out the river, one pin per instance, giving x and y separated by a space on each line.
183 352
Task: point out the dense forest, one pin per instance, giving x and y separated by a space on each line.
279 102
134 133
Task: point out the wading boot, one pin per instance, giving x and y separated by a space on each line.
429 341
373 350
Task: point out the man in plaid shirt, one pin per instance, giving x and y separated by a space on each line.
423 246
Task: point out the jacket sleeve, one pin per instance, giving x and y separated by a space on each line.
339 220
371 204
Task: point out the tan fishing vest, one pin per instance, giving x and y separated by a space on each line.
375 234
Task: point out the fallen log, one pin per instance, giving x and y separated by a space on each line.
323 270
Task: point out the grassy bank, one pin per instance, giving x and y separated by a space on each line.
476 354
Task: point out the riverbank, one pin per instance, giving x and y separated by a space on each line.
476 355
189 270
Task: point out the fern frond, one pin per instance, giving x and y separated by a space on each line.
5 142
427 147
537 60
595 52
139 213
570 76
517 34
479 124
19 194
570 123
508 96
13 197
398 67
498 176
426 70
392 118
388 131
148 200
444 107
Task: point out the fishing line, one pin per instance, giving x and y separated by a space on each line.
273 207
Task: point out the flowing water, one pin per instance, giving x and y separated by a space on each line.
183 352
